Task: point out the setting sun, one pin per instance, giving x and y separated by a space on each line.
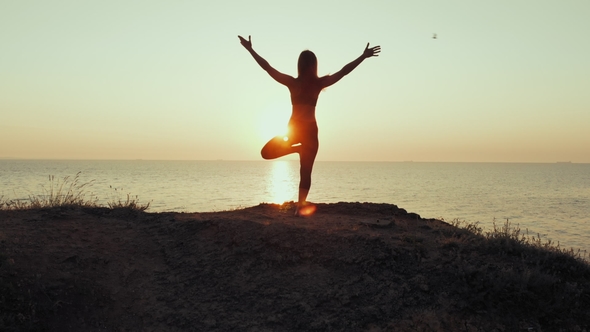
272 122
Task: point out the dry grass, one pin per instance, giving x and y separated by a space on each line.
70 192
128 203
510 239
60 193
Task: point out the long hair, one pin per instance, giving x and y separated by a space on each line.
307 64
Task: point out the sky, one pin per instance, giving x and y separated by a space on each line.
504 81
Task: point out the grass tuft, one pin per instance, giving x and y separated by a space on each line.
525 243
69 192
128 203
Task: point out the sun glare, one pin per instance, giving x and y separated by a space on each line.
273 122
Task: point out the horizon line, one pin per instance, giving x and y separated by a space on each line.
295 160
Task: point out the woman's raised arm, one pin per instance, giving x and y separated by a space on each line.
367 53
278 76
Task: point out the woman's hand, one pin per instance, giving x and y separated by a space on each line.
247 43
369 52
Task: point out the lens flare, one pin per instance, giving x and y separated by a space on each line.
307 210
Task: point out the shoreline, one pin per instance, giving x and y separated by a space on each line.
465 192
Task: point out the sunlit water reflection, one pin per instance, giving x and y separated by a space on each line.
282 182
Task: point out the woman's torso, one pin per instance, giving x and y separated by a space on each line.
304 96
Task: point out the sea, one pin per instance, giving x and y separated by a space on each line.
549 200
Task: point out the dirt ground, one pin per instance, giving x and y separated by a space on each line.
348 267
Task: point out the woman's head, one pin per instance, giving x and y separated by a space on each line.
307 64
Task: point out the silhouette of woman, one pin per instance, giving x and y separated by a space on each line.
302 136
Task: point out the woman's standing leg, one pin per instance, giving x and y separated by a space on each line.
307 154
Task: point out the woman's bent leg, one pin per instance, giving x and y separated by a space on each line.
277 147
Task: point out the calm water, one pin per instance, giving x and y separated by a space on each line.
550 199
